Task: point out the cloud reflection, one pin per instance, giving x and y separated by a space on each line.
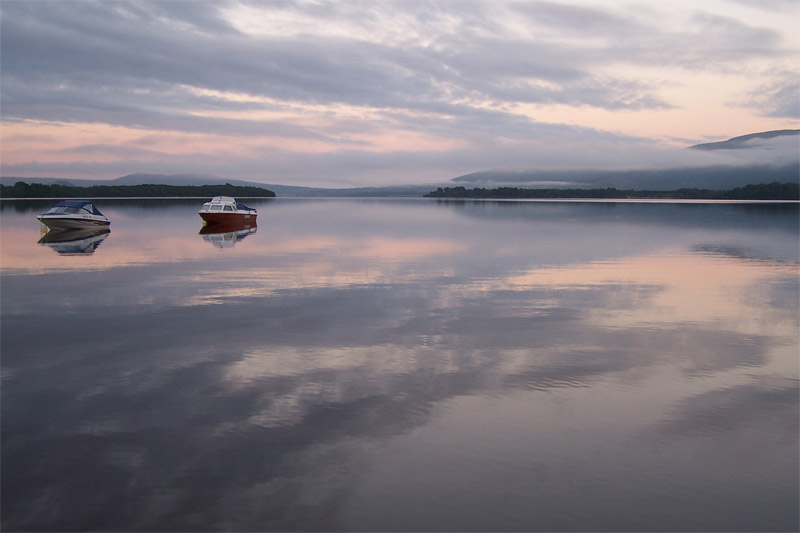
767 402
324 346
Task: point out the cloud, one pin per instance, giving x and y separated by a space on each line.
787 6
152 50
576 20
778 98
347 75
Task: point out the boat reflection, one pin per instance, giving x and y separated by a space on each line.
226 235
74 241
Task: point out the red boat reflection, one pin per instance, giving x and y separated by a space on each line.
227 234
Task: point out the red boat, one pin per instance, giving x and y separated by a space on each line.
226 210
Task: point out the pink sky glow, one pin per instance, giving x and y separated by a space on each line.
284 93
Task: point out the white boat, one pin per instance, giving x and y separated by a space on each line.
226 210
73 214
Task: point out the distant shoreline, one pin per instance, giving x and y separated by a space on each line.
783 192
84 197
761 191
664 200
34 191
421 198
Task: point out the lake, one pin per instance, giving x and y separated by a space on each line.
404 365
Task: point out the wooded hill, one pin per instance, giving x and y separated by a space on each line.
762 191
38 190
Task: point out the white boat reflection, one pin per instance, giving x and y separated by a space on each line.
74 241
227 235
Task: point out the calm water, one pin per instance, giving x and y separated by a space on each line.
404 365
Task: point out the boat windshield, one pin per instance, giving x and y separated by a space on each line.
64 210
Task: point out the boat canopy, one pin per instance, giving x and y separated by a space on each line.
223 200
73 206
229 200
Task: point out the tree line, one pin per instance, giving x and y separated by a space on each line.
760 191
39 190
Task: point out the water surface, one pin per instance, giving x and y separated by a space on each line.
404 365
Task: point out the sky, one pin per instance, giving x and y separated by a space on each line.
352 93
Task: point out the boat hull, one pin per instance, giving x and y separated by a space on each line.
79 222
233 219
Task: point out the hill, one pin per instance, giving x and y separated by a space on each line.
716 177
764 147
761 191
39 190
183 180
742 142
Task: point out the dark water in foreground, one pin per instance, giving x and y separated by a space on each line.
404 365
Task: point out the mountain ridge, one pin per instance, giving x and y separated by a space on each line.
736 143
711 177
205 179
708 177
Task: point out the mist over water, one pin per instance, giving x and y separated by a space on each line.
404 365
